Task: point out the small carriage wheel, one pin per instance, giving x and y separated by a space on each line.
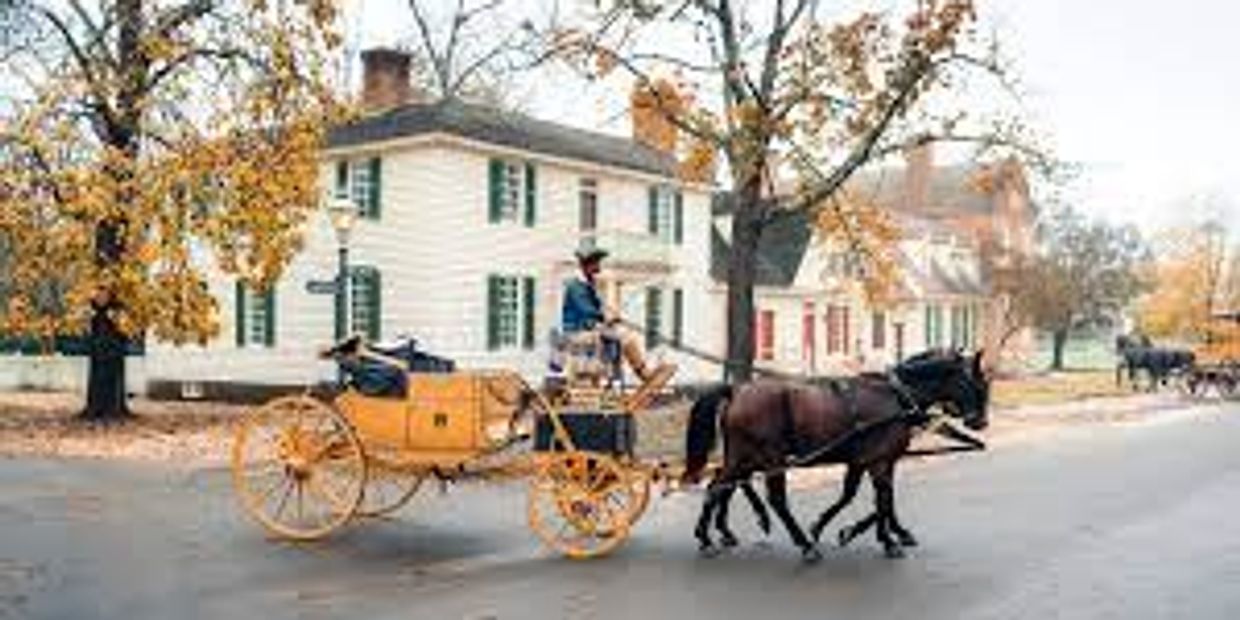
388 488
298 467
582 504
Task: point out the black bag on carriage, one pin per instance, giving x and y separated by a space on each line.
374 378
418 360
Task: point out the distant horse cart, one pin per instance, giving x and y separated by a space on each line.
1217 365
1211 366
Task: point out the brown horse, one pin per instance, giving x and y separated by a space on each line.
865 422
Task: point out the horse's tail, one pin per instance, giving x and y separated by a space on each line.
703 430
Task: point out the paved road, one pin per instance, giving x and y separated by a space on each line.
1126 521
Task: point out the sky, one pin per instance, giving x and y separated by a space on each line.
1141 94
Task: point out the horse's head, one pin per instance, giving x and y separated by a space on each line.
955 381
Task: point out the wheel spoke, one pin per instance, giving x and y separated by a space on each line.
283 500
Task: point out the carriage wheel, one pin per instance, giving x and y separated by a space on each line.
388 488
298 468
582 504
640 483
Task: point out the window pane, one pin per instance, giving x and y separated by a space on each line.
508 312
361 186
513 190
587 216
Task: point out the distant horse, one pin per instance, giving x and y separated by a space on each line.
1159 363
866 423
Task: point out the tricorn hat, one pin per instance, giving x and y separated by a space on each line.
590 255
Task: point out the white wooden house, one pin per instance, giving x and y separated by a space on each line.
469 221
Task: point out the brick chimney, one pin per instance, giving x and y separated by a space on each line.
918 170
385 78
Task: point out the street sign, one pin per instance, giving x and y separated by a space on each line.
321 287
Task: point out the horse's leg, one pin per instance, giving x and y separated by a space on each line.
849 532
852 480
727 538
881 476
903 536
759 507
702 531
777 495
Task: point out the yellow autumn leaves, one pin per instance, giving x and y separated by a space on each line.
220 175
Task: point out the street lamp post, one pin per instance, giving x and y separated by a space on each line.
343 215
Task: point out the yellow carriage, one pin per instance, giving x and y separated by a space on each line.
303 467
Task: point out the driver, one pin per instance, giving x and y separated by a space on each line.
583 311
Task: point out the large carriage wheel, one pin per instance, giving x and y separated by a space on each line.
639 481
582 504
388 487
298 467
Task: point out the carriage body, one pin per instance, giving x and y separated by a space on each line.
364 455
442 420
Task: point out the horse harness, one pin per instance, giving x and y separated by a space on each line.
911 412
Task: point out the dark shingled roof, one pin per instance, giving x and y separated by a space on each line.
781 248
503 128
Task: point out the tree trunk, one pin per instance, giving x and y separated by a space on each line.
106 397
746 228
1059 338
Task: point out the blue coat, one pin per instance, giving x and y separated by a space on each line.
583 309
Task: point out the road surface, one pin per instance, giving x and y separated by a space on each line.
1134 520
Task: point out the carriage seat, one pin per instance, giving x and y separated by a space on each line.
583 358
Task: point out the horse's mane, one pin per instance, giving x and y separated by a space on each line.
931 364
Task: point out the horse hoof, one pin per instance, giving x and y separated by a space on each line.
765 526
893 552
844 536
907 540
708 550
811 555
729 540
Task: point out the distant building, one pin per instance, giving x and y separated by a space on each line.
810 319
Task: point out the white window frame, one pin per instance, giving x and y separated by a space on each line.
512 191
665 201
360 304
256 318
508 314
587 188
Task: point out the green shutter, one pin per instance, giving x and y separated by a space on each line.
652 211
375 329
240 316
376 188
678 219
678 316
531 193
342 178
653 299
929 328
496 192
528 306
269 314
492 312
